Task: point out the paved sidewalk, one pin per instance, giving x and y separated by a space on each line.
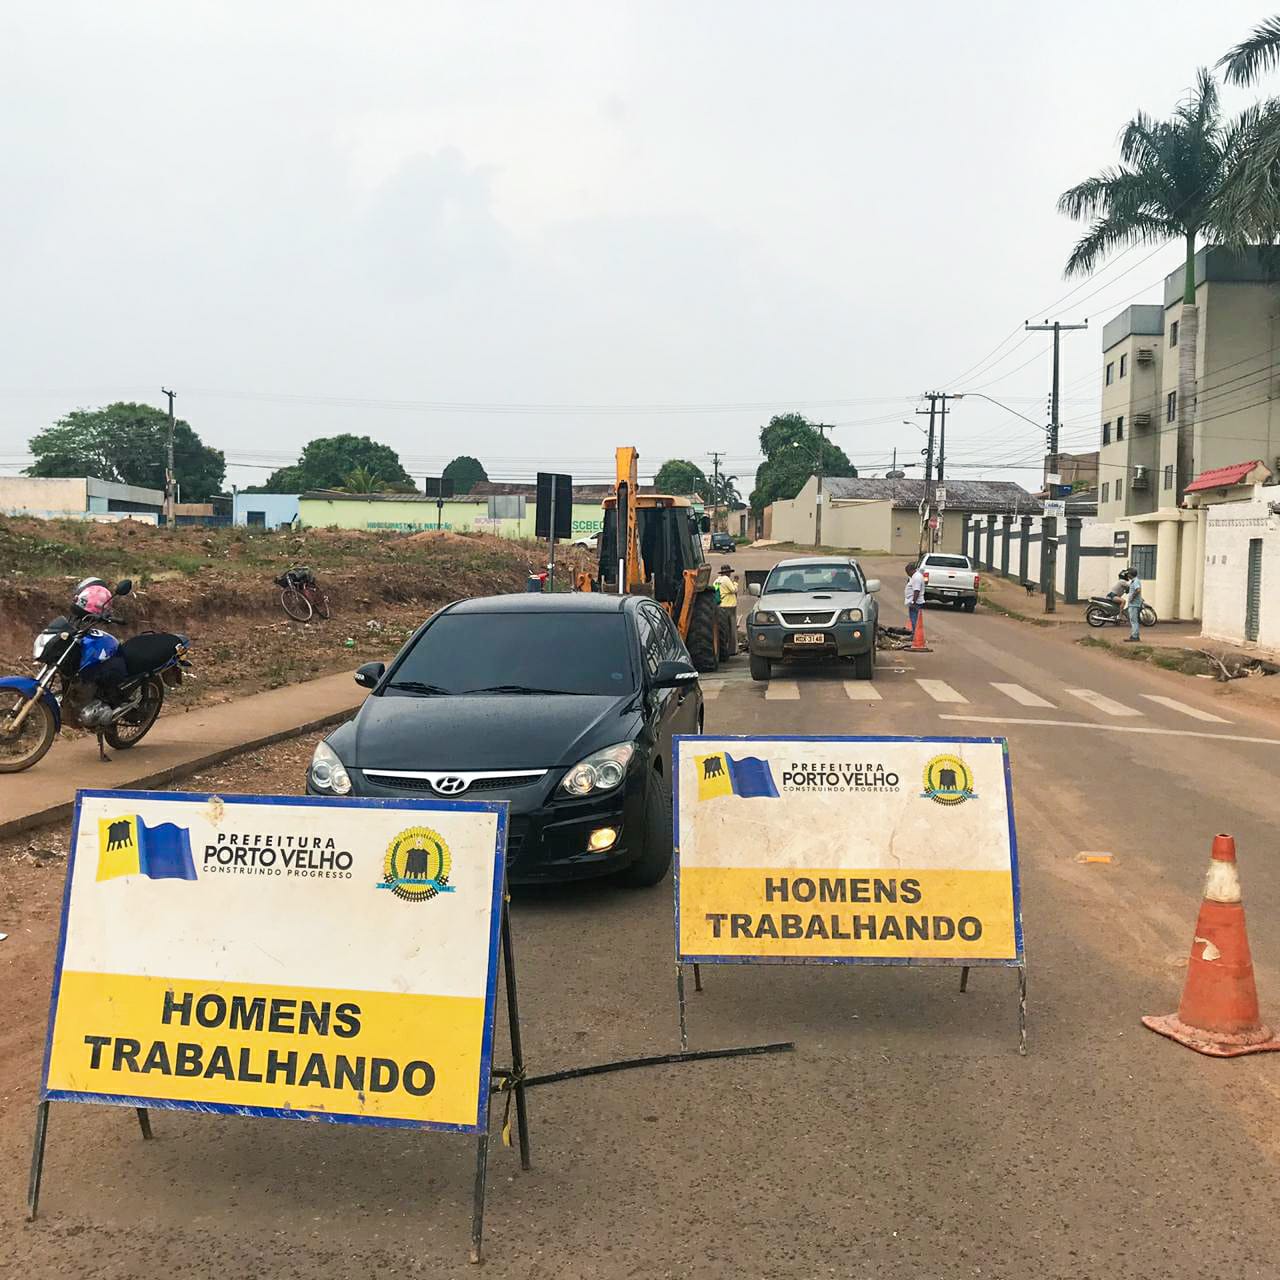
179 745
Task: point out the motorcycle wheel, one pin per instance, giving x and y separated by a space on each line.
28 745
132 727
1149 618
296 605
1096 616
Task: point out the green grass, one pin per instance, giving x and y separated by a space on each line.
1183 661
1006 612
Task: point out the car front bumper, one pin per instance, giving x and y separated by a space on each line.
843 640
546 837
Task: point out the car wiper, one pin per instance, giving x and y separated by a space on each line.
513 688
417 686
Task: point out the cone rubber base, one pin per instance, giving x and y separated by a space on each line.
1216 1044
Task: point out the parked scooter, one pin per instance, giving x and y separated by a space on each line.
87 675
1105 611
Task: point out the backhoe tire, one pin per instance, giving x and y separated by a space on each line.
703 640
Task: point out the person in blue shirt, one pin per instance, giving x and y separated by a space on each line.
1133 605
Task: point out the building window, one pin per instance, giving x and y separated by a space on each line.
1119 490
1171 406
1110 372
1106 491
1168 476
1120 428
1124 365
1173 334
256 518
1106 433
1143 560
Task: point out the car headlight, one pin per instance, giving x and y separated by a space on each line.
600 771
850 615
328 773
763 618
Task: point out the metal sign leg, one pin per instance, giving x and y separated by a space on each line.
697 977
684 1023
517 1048
1022 1010
144 1121
482 1168
964 979
37 1161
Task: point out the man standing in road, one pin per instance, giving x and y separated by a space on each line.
727 587
1133 603
914 598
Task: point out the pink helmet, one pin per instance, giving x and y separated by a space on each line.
94 600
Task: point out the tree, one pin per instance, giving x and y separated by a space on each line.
326 463
465 472
1259 53
724 491
1169 185
127 443
362 480
681 477
1252 191
792 448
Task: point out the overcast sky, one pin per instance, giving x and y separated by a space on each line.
532 231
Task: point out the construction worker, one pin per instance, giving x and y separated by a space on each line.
726 586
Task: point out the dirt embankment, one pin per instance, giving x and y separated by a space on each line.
217 586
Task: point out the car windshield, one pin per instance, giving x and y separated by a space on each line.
946 562
529 652
802 578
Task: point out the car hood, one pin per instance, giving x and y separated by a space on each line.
814 601
481 731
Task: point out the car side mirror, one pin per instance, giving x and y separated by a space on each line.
753 588
673 675
873 585
123 588
367 677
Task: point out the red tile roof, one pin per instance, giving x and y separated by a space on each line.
1222 477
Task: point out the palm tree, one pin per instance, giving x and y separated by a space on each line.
362 480
1169 185
725 492
1253 195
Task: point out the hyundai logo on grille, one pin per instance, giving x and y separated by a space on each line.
450 785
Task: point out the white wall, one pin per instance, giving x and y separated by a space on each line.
31 495
1231 525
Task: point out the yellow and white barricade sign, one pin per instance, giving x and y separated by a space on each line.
280 957
846 850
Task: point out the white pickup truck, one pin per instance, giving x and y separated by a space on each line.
950 579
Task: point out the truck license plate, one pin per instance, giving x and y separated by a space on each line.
809 637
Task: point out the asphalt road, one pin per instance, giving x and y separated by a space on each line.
905 1137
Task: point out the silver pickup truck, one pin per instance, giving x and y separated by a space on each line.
814 608
950 579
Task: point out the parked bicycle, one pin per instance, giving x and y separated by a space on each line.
300 595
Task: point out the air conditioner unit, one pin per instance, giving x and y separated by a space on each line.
1141 478
1141 419
1146 355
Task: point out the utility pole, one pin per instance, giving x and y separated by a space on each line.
926 497
817 518
715 489
1049 524
169 477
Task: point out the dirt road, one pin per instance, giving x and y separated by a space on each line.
903 1138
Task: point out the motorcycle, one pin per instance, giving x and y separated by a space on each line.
75 657
1104 611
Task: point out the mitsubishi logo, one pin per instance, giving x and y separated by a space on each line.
807 618
450 784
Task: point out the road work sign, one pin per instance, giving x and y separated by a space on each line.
330 960
846 850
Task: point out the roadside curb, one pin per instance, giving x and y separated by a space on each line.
64 809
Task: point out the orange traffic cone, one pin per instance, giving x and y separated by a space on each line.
1219 1010
917 637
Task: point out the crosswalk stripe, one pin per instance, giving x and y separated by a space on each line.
861 691
711 689
1019 694
1102 703
941 691
782 691
1174 705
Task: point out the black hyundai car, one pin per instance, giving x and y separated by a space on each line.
564 705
